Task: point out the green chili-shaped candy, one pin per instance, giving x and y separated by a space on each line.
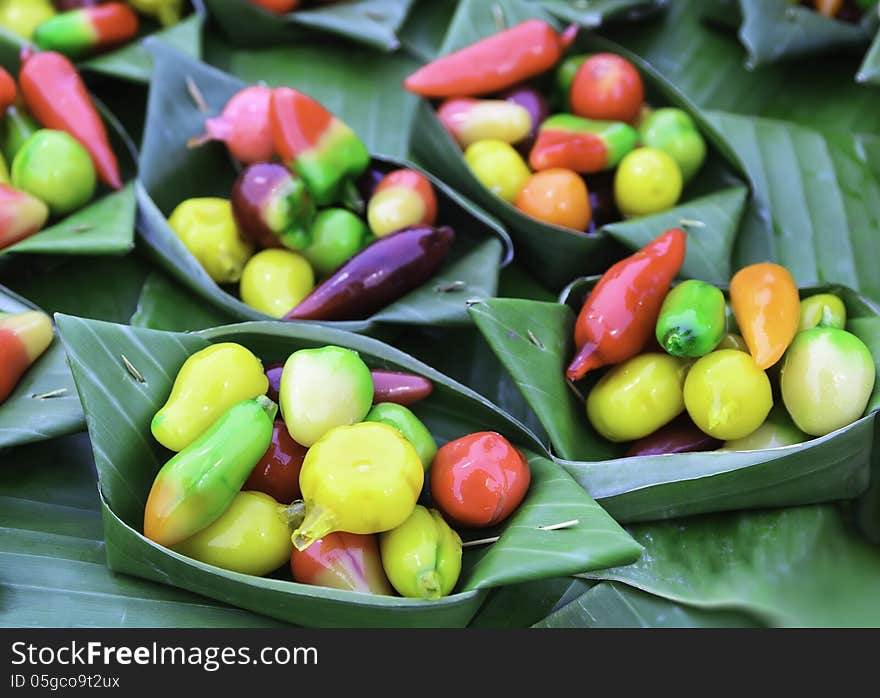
822 310
691 321
194 488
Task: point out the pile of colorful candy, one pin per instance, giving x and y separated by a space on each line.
56 143
304 214
503 122
347 461
721 367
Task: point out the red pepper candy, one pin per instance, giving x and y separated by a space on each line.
8 91
57 97
494 63
582 145
620 314
88 29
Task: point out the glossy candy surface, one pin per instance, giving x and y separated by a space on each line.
363 478
86 30
822 310
250 537
620 314
23 339
727 395
766 304
322 389
400 388
207 227
194 488
558 197
21 215
582 145
647 181
337 235
827 379
402 199
381 273
636 398
498 167
274 281
422 556
273 207
244 126
607 86
277 472
479 479
691 321
471 120
342 561
208 383
402 419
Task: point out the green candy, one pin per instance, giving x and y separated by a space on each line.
675 133
15 128
777 431
827 377
337 235
822 310
409 425
692 319
565 76
55 168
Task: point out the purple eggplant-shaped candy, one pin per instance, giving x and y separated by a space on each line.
377 275
681 435
536 105
273 207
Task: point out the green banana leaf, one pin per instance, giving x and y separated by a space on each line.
208 171
44 404
371 22
53 571
869 71
521 605
774 30
795 567
613 605
816 200
119 407
533 340
422 34
707 65
104 226
593 13
556 254
131 61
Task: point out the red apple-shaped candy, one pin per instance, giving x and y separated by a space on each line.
342 561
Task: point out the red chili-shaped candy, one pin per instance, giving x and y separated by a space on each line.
277 473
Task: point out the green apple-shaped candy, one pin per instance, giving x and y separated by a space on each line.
827 379
321 389
674 132
402 419
54 167
337 236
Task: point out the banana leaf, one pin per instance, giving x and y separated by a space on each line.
131 61
816 200
614 605
707 65
53 571
44 404
533 340
521 605
869 71
594 13
106 224
422 33
119 407
371 22
207 171
795 567
774 30
552 253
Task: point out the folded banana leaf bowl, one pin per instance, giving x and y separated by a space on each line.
104 225
124 375
371 22
534 341
130 60
183 94
776 30
714 199
44 404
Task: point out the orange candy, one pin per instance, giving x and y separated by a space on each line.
556 196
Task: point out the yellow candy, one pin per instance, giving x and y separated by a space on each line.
274 281
363 478
647 181
208 229
498 167
22 17
208 384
